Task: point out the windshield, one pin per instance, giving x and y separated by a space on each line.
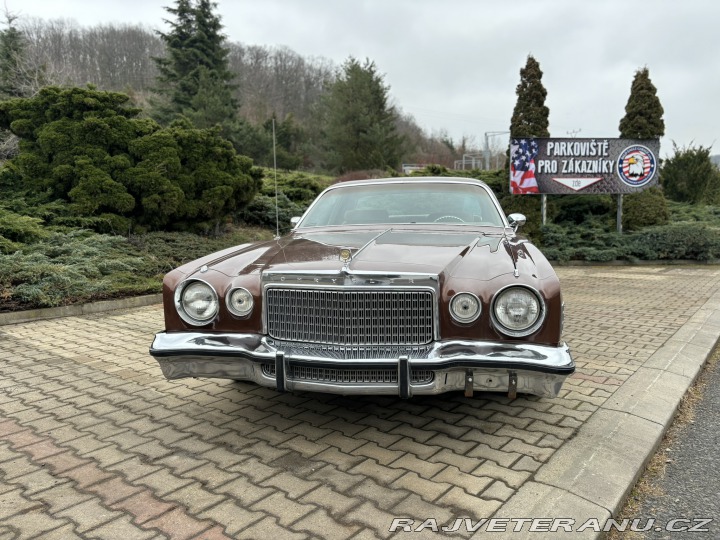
404 203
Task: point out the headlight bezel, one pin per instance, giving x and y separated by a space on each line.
467 320
180 308
531 329
229 305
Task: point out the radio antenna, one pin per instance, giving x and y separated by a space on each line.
277 212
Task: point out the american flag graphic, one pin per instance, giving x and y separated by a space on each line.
522 166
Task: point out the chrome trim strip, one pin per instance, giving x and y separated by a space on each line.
353 256
348 375
274 275
540 369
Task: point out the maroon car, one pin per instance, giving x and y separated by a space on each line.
402 286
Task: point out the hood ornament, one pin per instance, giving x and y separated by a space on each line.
345 255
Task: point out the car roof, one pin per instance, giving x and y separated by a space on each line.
411 180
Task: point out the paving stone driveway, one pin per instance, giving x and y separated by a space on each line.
94 443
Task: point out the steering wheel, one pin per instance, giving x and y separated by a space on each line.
450 218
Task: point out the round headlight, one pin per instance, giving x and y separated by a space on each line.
240 302
465 307
198 303
518 311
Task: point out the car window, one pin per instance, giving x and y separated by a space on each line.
404 203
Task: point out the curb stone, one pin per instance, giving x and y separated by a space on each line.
15 317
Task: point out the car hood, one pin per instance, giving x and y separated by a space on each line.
464 254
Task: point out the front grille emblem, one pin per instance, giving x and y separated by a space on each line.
345 255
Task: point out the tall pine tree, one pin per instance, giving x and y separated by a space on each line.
643 113
195 79
643 120
530 116
361 124
12 49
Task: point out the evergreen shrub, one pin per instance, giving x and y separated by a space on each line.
261 212
18 228
677 241
645 209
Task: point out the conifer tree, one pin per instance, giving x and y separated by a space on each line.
13 79
530 116
643 113
12 48
212 103
361 124
643 120
195 79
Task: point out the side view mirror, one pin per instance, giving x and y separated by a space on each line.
516 221
294 221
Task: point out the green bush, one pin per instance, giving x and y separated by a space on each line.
66 268
88 148
687 175
302 190
712 191
297 186
645 209
80 266
16 229
261 212
574 209
683 212
296 190
7 246
163 251
594 240
678 241
598 255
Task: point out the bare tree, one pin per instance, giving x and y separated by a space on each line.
271 81
279 81
112 57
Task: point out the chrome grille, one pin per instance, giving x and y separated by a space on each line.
343 352
350 375
350 317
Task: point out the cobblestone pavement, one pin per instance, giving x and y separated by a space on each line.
94 443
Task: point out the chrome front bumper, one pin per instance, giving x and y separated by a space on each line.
455 365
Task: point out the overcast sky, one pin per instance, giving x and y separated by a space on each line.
454 64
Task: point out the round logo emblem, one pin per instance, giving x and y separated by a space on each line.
345 255
636 165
